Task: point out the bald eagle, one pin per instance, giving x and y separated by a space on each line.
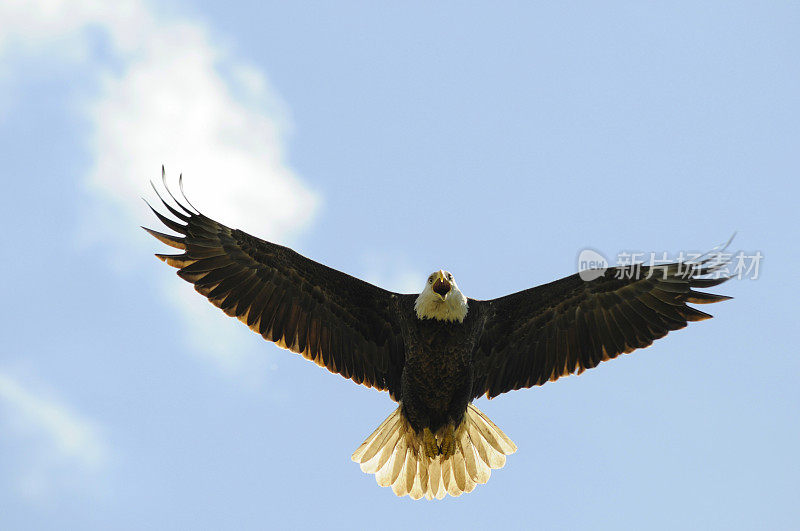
434 351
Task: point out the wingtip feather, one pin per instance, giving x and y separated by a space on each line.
175 260
172 241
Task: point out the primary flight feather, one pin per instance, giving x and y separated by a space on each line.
436 351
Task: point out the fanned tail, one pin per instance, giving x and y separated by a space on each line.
395 454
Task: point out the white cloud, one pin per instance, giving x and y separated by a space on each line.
223 341
56 438
172 105
392 272
59 26
169 95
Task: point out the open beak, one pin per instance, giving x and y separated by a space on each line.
441 286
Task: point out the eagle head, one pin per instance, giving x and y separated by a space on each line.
441 299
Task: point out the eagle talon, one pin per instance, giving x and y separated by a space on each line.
429 444
448 446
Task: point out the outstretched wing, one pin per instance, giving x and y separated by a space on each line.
570 325
340 322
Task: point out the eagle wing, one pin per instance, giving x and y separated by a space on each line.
339 322
570 325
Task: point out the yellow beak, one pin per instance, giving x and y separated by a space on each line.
441 286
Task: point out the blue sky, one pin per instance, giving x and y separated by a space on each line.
494 141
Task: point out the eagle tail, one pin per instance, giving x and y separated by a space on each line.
395 454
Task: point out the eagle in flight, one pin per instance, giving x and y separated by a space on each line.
434 351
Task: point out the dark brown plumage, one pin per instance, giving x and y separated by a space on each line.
338 321
570 325
434 368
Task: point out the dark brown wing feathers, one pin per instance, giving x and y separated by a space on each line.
570 325
352 328
338 321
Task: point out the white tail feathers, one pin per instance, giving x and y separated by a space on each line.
395 454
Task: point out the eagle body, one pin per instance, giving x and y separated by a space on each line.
436 351
437 375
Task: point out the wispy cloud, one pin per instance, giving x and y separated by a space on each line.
392 272
59 442
169 94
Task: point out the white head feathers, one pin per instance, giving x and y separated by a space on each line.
441 299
